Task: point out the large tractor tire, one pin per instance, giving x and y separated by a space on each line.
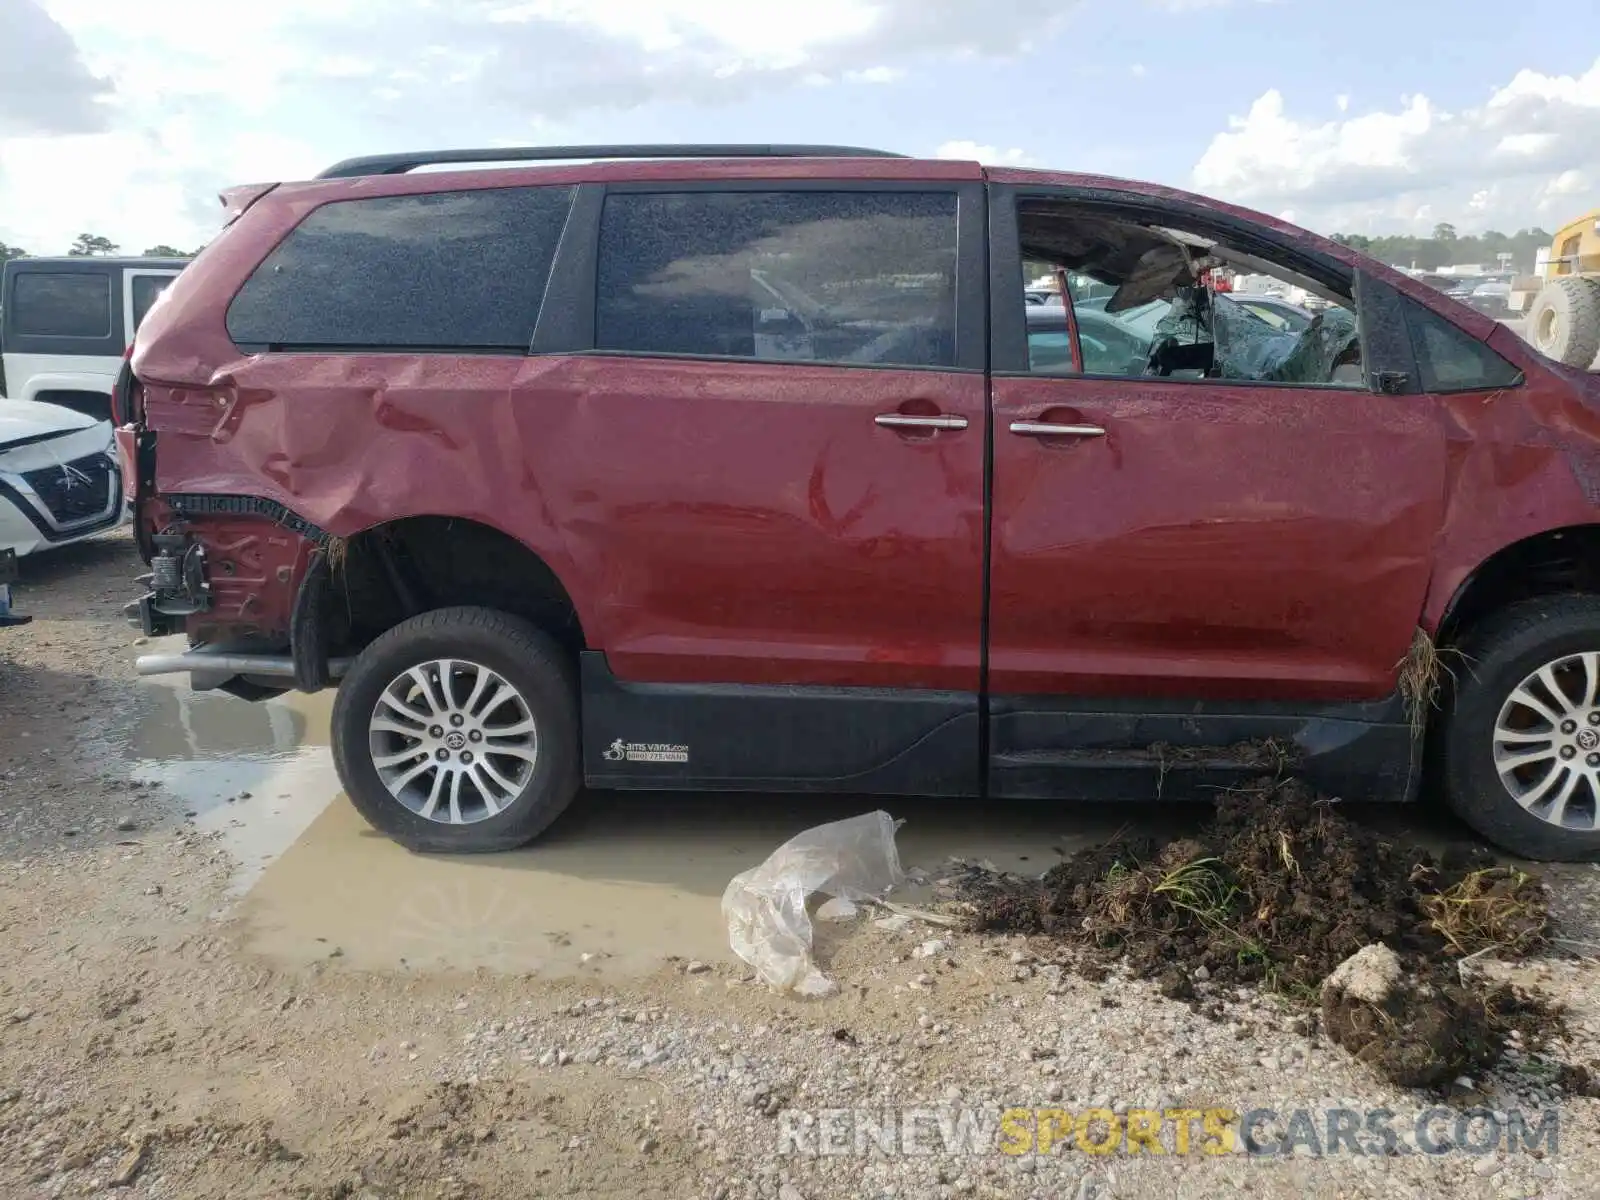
1564 322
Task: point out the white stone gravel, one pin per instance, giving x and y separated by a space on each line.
990 1032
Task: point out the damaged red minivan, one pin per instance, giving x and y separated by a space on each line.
754 468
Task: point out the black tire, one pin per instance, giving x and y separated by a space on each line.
1496 657
1564 321
528 660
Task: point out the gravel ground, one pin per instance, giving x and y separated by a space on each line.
143 1049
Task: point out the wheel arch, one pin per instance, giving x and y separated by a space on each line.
393 570
1549 562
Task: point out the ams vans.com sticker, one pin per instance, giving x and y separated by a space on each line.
650 752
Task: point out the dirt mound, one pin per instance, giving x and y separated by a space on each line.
1278 890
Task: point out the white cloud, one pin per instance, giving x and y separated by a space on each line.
1137 70
1342 102
992 156
206 92
1497 165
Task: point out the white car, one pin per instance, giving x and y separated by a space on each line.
60 480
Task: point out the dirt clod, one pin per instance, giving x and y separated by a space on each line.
1419 1032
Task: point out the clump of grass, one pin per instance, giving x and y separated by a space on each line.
1493 908
337 549
1419 680
1200 887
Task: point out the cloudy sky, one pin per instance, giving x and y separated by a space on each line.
124 117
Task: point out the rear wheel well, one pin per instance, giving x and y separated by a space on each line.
1549 563
391 572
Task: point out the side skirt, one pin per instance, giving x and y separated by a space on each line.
663 736
1142 750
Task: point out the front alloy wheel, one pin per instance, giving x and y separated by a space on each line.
1547 742
1520 744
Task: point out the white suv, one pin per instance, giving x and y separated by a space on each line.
65 324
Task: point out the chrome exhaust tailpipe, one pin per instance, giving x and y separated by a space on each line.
267 666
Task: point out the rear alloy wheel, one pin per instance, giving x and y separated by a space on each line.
453 741
457 731
1522 742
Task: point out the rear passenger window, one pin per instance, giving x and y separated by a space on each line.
828 277
66 304
1451 360
442 271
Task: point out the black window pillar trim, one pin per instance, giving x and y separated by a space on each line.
1387 353
1008 317
567 317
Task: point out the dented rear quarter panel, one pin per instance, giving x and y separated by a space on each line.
1522 461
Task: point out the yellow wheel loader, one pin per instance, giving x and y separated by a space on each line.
1562 299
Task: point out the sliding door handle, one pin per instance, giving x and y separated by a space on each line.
1049 429
900 421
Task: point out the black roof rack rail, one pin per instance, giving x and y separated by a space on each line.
399 164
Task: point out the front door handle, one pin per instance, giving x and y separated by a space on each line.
900 421
1050 429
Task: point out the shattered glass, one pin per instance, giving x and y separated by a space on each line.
1319 349
1246 347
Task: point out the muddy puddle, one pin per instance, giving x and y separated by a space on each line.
619 884
258 774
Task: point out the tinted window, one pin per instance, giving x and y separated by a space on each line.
1451 360
145 290
62 304
447 270
841 277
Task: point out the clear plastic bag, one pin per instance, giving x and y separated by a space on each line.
768 926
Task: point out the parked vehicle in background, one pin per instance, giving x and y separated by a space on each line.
1491 297
65 324
735 468
1562 297
60 481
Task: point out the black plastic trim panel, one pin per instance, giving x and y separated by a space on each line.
308 625
1048 747
729 737
195 505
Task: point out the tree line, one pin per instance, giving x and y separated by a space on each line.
1447 248
92 245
